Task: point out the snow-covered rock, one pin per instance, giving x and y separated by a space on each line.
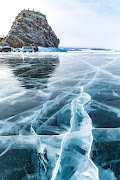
31 28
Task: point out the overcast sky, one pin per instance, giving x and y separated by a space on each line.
77 23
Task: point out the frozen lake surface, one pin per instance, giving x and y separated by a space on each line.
60 115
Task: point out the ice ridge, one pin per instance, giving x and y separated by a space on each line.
74 162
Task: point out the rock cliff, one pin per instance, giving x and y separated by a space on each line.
30 28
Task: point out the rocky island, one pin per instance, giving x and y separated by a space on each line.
30 28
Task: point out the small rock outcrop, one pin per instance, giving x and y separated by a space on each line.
30 28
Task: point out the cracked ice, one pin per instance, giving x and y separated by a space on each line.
60 116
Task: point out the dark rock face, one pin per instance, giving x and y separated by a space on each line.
31 28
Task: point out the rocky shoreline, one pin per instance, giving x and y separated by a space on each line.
30 28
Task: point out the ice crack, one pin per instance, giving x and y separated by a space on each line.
74 160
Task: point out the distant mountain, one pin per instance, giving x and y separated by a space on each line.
30 28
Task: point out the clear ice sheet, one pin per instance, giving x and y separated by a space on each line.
60 116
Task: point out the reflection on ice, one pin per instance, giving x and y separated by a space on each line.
59 116
21 75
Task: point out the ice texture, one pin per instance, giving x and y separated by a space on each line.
52 49
59 115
